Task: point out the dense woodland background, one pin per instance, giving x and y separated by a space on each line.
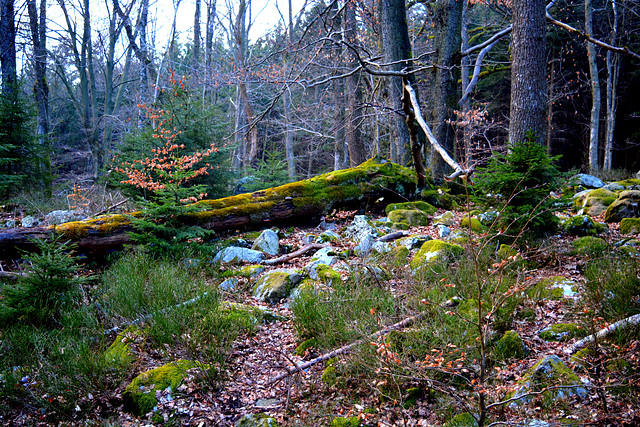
322 91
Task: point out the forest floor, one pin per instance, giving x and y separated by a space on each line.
302 399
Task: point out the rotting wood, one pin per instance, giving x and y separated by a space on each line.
300 201
392 236
603 333
292 255
400 325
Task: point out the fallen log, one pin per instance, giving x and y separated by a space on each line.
358 187
629 322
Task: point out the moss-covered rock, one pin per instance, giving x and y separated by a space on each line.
248 315
251 270
472 224
630 226
464 419
552 288
330 374
140 395
632 184
256 420
550 371
627 205
306 345
328 236
328 275
120 353
582 225
406 217
595 202
439 199
589 245
447 218
424 207
506 251
562 332
276 285
510 346
432 251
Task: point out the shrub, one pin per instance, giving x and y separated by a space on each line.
48 290
519 182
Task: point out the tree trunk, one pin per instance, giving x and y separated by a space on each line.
195 61
528 72
288 137
355 144
465 69
396 49
596 100
7 46
38 27
613 71
301 201
447 22
340 155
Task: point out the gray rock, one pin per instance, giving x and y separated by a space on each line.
10 223
276 285
414 242
626 206
363 248
321 257
381 247
443 231
236 254
267 242
359 228
30 221
588 181
58 217
446 218
488 218
614 186
229 284
328 236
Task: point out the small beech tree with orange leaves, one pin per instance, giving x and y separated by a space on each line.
172 176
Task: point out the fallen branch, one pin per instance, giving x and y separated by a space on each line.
621 324
391 236
292 255
458 170
346 348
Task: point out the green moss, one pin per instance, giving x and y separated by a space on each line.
589 245
473 224
256 420
120 353
330 374
582 225
439 198
419 205
250 270
625 206
551 288
506 251
140 395
562 332
305 345
629 182
99 226
413 218
464 419
446 218
432 251
400 225
273 287
328 275
630 226
345 422
247 316
510 346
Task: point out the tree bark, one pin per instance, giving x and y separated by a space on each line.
613 71
7 46
355 144
298 201
447 22
340 155
396 48
195 61
528 72
596 100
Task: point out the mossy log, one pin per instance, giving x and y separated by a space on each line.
299 201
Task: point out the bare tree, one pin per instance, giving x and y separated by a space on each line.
596 100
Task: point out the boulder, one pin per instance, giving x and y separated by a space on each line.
30 221
140 395
363 248
359 228
237 254
588 181
553 288
562 332
251 270
627 205
413 242
423 207
550 371
229 284
275 285
582 225
473 224
58 217
589 245
327 236
267 242
446 218
630 226
432 251
595 202
412 218
510 346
